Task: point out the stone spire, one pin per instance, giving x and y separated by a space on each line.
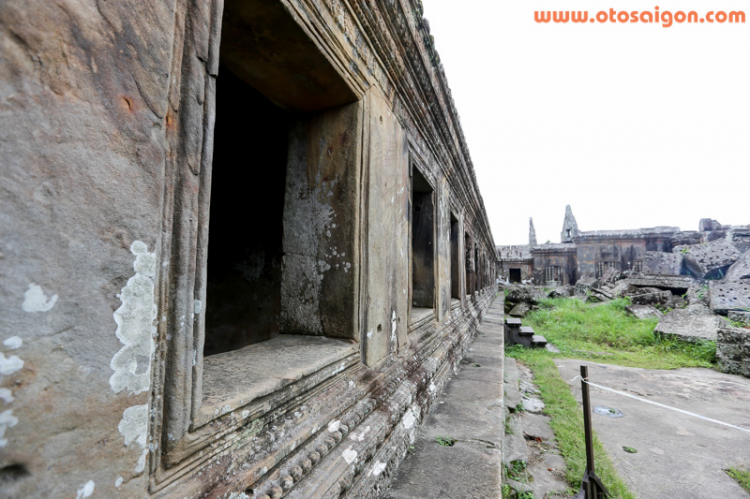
532 233
570 227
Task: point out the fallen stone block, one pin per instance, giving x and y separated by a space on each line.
644 311
737 316
726 296
562 292
520 310
733 350
661 263
528 294
739 269
653 298
584 285
689 325
709 261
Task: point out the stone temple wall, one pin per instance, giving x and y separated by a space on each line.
206 243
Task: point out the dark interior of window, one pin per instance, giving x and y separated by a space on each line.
455 260
243 284
422 242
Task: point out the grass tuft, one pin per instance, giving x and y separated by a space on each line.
741 476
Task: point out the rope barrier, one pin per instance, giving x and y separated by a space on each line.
663 406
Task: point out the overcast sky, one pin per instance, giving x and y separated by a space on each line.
633 125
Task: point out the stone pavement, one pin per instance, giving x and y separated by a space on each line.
468 415
530 451
678 456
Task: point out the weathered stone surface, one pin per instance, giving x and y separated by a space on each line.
520 310
681 283
562 292
739 269
584 285
651 296
661 263
733 350
644 311
726 296
737 316
707 261
688 325
528 294
468 412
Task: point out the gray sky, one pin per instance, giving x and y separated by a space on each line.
633 125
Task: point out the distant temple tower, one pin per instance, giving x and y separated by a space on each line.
570 227
532 233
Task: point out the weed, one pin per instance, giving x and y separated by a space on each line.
445 441
505 489
629 449
740 476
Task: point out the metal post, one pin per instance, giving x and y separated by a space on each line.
587 421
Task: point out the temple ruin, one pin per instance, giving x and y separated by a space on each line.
243 246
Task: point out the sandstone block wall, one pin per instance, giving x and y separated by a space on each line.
109 385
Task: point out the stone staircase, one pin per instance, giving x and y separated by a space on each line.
518 334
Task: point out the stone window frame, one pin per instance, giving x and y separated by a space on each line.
416 161
185 437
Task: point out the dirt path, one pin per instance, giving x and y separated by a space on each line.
678 456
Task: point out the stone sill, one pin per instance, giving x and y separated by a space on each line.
420 315
455 303
234 379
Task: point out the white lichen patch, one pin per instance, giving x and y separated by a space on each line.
14 342
432 387
409 419
354 437
134 428
86 490
6 395
378 468
7 420
135 325
34 300
349 455
9 365
334 426
118 482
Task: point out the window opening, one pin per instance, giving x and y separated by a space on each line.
422 246
243 283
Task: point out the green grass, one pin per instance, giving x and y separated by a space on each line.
605 334
566 420
741 476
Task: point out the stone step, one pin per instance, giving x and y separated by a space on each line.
513 321
526 331
538 341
